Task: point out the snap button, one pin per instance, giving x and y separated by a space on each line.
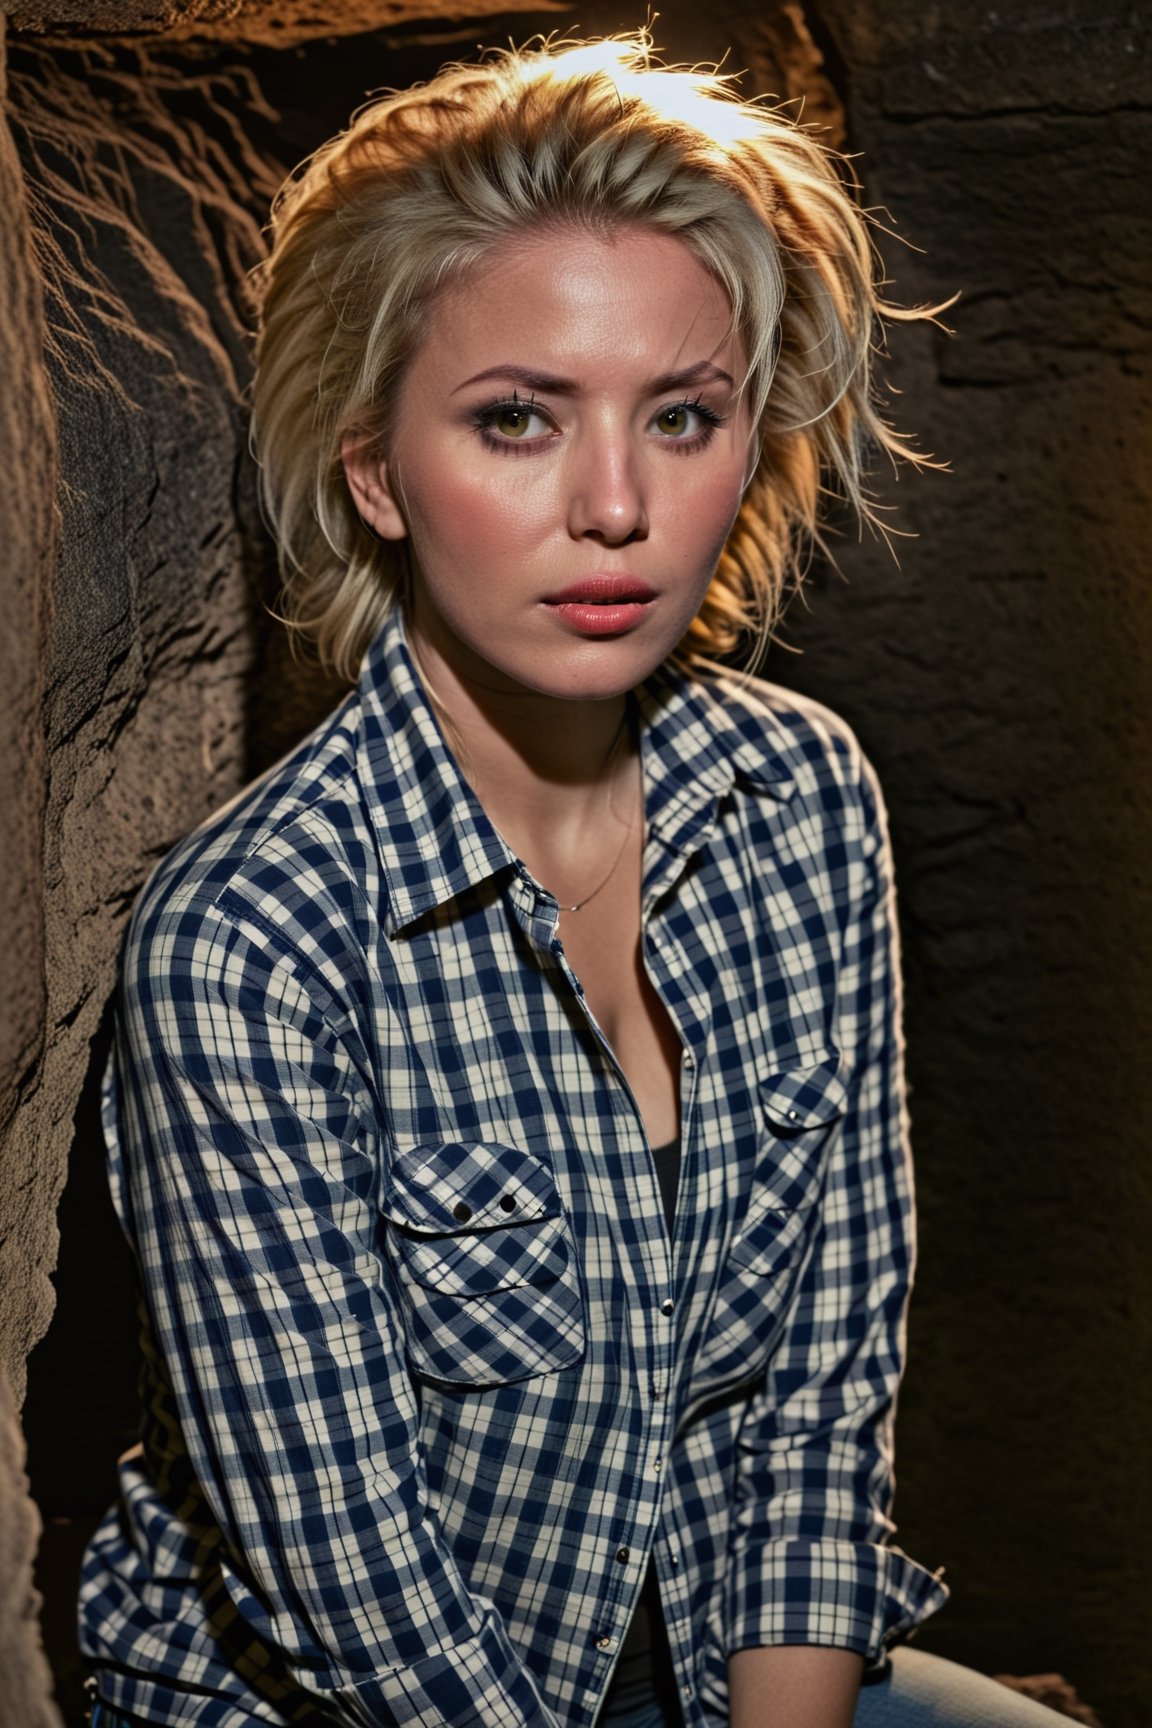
507 1202
462 1211
667 1306
623 1555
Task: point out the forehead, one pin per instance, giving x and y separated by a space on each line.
579 303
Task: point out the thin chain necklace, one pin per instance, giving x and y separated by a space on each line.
580 904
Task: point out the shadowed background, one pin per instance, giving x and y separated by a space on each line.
997 674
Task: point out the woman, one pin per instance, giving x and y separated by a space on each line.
507 1111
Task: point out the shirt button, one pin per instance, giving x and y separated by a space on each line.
656 1468
793 1115
689 1059
667 1306
604 1643
462 1211
623 1555
507 1202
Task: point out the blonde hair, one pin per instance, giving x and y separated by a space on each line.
425 182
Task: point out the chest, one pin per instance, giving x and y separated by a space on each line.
494 1017
509 1078
604 948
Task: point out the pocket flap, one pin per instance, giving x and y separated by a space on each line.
807 1097
443 1189
768 1239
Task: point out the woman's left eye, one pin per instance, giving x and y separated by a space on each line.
684 420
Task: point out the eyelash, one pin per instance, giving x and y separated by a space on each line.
484 419
712 423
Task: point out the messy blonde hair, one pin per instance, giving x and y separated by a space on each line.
426 182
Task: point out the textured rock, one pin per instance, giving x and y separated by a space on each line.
278 23
26 492
1054 1691
1000 679
27 437
25 1698
143 675
151 630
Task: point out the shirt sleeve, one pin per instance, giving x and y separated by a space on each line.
243 1119
812 1561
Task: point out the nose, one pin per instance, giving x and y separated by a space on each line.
607 498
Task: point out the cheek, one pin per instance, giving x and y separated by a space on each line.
700 516
455 513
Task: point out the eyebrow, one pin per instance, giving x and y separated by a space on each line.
703 372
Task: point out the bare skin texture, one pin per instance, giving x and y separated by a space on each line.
573 413
794 1687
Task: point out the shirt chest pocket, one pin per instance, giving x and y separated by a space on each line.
485 1263
801 1111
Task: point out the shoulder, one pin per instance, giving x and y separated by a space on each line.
776 733
275 859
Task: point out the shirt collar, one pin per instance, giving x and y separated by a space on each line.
700 738
436 840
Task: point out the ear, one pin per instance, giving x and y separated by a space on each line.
372 491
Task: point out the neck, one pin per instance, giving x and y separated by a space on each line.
539 764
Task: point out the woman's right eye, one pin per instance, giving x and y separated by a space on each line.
514 422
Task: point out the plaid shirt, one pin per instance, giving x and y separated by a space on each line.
426 1381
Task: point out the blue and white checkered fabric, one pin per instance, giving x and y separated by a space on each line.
426 1381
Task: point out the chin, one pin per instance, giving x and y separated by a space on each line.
597 672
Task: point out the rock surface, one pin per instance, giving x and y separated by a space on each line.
1000 678
143 693
27 439
278 23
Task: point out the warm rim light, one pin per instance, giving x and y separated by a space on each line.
686 96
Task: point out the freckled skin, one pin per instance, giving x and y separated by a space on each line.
511 487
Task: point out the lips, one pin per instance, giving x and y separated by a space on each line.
603 591
601 605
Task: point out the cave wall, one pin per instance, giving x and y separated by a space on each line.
141 673
997 675
26 495
1001 678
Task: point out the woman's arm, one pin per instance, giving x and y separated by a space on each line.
793 1686
811 1562
246 1128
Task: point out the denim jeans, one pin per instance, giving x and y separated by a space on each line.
918 1691
923 1691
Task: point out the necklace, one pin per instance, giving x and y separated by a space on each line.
580 904
603 883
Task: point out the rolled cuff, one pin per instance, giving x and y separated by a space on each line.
470 1685
845 1595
